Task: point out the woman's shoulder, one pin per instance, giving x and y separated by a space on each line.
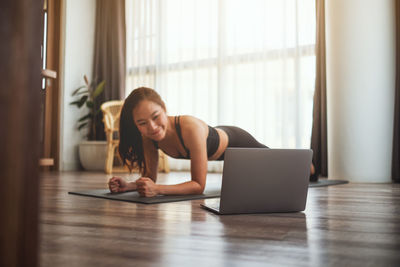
191 120
191 123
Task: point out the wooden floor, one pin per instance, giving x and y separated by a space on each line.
344 225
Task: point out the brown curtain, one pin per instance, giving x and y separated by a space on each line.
109 55
319 128
396 132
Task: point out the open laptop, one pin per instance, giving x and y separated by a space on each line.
258 180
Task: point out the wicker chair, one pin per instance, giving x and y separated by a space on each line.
111 114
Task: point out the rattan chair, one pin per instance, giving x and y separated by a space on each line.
111 114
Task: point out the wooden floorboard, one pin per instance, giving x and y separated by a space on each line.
344 225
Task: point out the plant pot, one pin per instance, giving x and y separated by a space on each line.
92 155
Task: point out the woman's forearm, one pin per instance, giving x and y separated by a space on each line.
187 188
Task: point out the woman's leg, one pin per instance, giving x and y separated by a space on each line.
238 137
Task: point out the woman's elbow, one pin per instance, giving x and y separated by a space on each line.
199 189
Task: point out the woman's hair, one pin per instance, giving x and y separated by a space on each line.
130 143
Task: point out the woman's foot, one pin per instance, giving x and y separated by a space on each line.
313 174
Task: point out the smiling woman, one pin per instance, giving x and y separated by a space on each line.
145 127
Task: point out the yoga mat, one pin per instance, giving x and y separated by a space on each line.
135 197
211 193
326 182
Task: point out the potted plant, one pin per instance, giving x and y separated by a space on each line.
92 153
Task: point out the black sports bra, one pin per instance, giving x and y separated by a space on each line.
212 140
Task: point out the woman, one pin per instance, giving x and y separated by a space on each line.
145 128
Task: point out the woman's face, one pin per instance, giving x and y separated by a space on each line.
151 120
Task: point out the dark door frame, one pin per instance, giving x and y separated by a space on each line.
20 68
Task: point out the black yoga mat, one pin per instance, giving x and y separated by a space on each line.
135 197
209 193
326 182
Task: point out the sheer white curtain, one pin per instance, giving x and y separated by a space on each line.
248 63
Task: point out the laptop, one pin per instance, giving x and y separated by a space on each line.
263 180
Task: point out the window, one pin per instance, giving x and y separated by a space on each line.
249 63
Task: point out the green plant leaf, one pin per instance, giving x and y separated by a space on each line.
87 116
75 102
99 89
82 125
89 104
77 90
82 101
83 92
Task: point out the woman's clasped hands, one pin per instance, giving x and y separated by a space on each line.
144 186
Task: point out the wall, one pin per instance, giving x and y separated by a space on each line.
360 43
77 58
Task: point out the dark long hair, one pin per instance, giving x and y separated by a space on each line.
131 144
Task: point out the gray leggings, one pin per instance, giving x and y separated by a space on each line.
238 137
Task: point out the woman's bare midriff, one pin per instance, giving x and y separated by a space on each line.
223 143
